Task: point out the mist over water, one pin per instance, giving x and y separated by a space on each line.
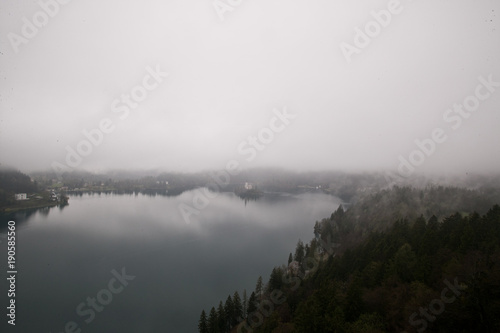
345 98
66 255
190 86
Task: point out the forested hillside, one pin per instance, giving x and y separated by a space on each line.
13 181
399 260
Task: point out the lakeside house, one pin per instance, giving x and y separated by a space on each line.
248 186
21 196
54 196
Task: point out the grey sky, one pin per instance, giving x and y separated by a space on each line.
227 76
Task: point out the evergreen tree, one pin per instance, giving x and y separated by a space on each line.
252 303
237 308
327 231
313 249
430 241
418 233
229 310
338 215
404 263
308 317
276 280
290 258
213 324
307 251
386 271
317 229
245 303
222 318
354 304
258 287
299 252
202 324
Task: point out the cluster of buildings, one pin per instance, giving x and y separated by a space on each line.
24 196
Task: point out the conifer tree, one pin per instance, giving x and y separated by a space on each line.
229 310
202 323
317 229
276 280
213 325
244 303
299 252
237 308
222 318
252 303
258 287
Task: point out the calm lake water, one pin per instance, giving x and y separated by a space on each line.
65 256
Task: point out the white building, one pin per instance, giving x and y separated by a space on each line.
21 196
248 186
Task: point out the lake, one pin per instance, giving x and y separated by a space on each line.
149 270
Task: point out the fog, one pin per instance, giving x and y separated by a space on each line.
192 85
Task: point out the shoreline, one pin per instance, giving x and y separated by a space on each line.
34 205
17 209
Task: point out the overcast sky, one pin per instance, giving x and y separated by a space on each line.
229 74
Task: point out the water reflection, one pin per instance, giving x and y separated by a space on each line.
23 216
67 255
